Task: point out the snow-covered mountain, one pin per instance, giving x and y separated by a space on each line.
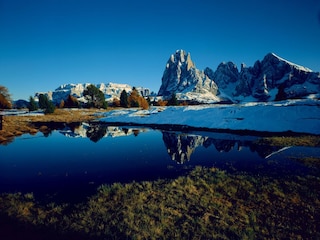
189 83
273 78
111 91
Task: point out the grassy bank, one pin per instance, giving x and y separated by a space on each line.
14 126
206 204
303 140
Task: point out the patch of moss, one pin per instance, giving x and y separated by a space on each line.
305 140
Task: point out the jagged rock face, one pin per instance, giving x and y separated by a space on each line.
243 87
273 78
276 73
181 76
62 92
225 74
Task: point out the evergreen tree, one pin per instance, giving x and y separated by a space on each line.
33 106
95 97
173 101
50 108
124 99
44 103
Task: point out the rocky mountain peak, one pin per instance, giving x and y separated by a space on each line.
183 78
182 59
275 75
226 73
275 59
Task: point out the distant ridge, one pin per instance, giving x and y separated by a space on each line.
111 91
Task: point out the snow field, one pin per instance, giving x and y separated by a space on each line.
298 116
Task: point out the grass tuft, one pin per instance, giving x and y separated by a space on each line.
206 204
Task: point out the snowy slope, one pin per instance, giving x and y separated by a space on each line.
298 67
298 116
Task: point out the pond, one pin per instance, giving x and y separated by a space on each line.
70 162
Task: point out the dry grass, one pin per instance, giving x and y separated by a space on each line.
206 204
306 140
17 125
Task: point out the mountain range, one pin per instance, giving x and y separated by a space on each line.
110 90
273 78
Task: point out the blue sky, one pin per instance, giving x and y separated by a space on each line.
44 44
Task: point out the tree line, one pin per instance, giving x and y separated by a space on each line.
94 96
94 99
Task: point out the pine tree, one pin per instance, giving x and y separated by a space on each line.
50 108
95 97
124 99
45 104
43 101
173 101
33 106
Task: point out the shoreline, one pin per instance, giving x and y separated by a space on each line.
15 125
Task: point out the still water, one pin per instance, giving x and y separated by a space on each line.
73 161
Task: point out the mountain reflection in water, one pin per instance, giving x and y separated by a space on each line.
180 145
62 160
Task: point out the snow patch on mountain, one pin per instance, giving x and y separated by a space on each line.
110 90
273 78
301 68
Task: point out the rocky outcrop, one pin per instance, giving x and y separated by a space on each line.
183 78
273 78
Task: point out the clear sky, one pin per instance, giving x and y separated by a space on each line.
46 43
